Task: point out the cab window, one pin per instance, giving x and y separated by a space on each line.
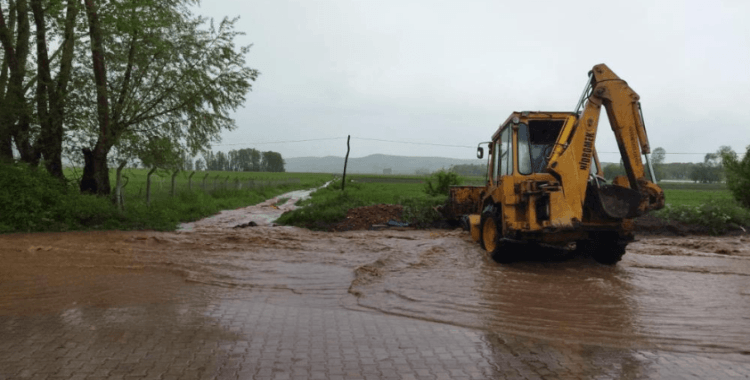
524 158
506 162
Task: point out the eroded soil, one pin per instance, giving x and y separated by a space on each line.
689 294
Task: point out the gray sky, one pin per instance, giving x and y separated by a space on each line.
448 72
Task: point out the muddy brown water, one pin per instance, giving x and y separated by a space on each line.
688 294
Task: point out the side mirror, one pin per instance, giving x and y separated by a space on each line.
480 152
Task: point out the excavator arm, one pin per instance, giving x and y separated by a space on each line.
573 153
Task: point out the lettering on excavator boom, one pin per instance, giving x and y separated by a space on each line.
588 150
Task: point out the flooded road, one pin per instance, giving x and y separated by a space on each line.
680 295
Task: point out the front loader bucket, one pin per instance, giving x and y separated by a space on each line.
612 201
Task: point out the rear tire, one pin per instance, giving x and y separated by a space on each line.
491 238
606 249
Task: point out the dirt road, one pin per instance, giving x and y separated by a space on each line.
673 297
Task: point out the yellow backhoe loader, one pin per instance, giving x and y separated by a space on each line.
545 185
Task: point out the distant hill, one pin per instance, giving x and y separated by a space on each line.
374 164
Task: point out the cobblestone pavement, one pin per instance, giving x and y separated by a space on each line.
212 333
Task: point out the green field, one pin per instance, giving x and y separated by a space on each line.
31 200
207 181
709 205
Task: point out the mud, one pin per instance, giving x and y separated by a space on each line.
687 294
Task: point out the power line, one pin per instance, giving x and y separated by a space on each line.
282 142
739 154
414 143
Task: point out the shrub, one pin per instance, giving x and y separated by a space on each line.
32 200
716 215
738 176
420 212
439 183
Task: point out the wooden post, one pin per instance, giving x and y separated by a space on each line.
190 181
346 160
148 186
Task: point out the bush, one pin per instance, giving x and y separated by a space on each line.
738 176
716 215
439 183
32 200
420 212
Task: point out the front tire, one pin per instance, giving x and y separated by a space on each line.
491 239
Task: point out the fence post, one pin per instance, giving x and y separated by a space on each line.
148 186
190 181
174 174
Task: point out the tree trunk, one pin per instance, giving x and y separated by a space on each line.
51 95
106 136
95 178
148 186
14 113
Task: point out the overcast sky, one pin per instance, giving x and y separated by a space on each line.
449 72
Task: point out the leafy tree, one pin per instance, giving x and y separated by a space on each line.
272 162
200 165
738 175
709 171
658 156
158 72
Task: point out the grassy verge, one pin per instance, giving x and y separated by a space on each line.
32 201
329 205
707 205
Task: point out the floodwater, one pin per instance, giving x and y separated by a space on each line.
684 294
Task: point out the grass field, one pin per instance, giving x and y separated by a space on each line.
31 201
710 205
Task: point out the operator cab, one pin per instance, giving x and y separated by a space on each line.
524 143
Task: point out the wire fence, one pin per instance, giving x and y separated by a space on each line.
135 186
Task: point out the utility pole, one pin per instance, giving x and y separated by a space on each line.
346 160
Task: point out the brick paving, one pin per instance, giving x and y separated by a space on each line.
210 333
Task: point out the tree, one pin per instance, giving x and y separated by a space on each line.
738 175
272 162
658 156
708 171
158 73
200 165
51 94
15 115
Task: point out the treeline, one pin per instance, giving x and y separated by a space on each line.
242 160
711 170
